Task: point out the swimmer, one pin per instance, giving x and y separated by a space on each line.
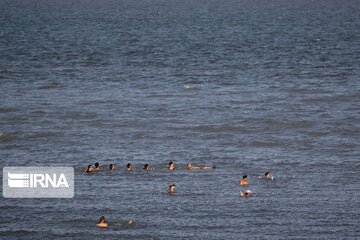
89 169
268 176
172 188
244 181
190 167
129 167
112 167
97 167
148 168
247 193
102 223
128 222
171 166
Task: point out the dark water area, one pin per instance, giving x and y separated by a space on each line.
246 86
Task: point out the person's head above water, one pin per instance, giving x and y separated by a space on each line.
189 166
102 219
171 166
268 176
244 181
148 168
247 193
97 166
112 167
89 169
128 167
102 222
172 188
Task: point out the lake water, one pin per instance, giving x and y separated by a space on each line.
248 86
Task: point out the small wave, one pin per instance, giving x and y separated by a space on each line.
317 134
307 91
275 122
80 115
38 112
6 109
213 129
300 124
50 86
191 86
73 221
289 124
10 207
331 98
346 146
284 162
21 232
103 102
264 144
43 135
5 137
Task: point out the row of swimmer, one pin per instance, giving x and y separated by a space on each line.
129 167
189 166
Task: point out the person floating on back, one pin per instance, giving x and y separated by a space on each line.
247 193
171 166
190 167
244 181
172 188
102 223
89 169
129 167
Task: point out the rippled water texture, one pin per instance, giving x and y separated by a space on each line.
246 86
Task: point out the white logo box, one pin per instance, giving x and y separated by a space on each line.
38 182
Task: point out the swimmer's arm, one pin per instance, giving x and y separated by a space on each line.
200 167
102 225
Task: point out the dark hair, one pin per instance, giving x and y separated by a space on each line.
245 176
146 166
111 166
129 165
172 185
170 163
102 218
267 173
96 164
88 168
